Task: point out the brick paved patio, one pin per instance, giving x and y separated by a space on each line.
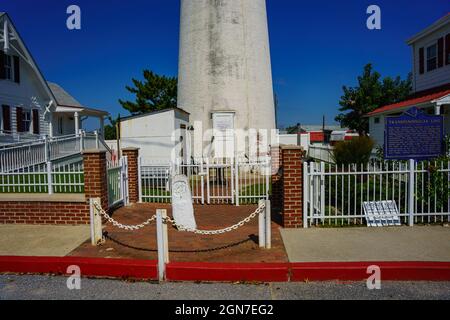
238 246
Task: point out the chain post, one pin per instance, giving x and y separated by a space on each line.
160 242
262 226
96 222
268 215
166 235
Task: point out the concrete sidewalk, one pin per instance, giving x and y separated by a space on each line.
420 243
30 240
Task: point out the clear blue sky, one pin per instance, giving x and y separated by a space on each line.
317 46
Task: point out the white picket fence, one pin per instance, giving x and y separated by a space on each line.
40 151
44 178
117 176
212 181
335 195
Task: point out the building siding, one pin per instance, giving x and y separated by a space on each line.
28 94
154 134
377 130
437 77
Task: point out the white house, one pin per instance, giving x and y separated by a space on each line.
159 135
431 79
31 107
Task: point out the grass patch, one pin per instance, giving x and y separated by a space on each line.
252 193
38 183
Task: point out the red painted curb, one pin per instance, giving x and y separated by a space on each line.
97 267
228 272
357 271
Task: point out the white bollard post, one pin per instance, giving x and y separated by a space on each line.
166 236
236 184
262 226
268 225
97 142
305 195
161 249
411 186
140 182
49 177
96 223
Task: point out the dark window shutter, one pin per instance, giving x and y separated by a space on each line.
36 121
2 65
6 116
19 119
16 69
440 53
422 60
447 49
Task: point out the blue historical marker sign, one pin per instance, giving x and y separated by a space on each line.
413 135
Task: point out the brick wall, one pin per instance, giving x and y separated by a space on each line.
277 181
61 213
59 208
292 186
95 176
133 173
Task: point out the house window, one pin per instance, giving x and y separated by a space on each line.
8 67
377 120
60 125
432 57
26 120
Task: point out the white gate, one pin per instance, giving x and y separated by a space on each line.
117 176
212 181
337 195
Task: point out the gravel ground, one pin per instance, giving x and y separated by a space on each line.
49 288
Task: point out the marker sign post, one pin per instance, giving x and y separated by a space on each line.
414 135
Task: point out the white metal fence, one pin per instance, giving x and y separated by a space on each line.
335 195
212 181
41 151
117 176
44 178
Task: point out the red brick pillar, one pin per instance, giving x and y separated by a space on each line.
95 176
277 187
133 173
292 181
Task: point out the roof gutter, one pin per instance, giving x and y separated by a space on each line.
420 105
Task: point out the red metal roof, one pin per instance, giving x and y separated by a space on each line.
317 136
410 102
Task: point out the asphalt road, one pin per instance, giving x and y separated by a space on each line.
49 288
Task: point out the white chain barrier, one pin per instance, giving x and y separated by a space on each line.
220 231
119 225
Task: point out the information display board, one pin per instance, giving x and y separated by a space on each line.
414 135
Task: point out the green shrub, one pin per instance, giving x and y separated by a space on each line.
357 150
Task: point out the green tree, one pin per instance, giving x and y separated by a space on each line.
357 150
154 93
110 129
371 93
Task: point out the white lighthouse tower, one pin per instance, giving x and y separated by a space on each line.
225 77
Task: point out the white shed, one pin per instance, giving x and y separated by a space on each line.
159 135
